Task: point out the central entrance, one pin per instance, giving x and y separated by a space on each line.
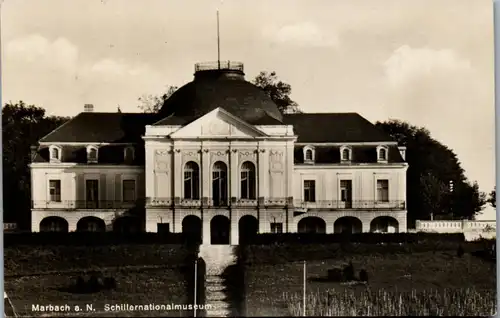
192 230
220 229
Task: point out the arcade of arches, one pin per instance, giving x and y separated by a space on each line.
219 228
124 224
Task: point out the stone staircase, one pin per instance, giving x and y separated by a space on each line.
217 259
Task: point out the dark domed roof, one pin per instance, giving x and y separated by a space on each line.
224 87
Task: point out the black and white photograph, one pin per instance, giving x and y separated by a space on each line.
237 158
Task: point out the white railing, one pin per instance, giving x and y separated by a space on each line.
10 226
452 226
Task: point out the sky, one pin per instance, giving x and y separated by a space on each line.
427 62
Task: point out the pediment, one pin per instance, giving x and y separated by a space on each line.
218 124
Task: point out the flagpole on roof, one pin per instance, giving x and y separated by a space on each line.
218 41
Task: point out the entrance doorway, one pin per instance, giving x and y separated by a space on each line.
248 228
220 229
191 228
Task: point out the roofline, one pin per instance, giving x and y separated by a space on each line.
237 119
215 138
46 165
89 143
351 165
320 114
55 130
226 113
361 143
153 124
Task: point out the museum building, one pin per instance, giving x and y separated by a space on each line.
221 162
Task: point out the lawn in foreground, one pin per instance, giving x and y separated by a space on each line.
276 289
133 287
29 260
144 274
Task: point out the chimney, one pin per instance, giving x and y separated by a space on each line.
88 108
402 151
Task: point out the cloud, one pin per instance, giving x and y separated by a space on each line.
301 34
59 54
62 78
406 63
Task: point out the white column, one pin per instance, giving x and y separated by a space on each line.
177 173
264 221
235 165
234 239
206 173
263 171
206 228
289 169
149 172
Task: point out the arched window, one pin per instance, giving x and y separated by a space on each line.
54 154
382 154
92 154
219 184
248 180
346 154
309 154
191 181
128 154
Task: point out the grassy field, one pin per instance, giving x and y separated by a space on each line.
439 280
144 274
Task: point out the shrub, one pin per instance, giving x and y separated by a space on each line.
348 272
95 283
79 285
460 251
363 275
93 239
348 238
109 283
335 274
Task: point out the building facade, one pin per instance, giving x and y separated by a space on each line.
220 162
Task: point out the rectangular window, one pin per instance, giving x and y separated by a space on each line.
276 227
188 184
55 190
92 193
309 191
383 190
128 191
346 190
244 185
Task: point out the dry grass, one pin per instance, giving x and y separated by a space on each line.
144 274
30 260
137 288
399 274
445 302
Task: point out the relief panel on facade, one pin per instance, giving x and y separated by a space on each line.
191 155
246 155
162 173
218 128
276 161
277 176
219 155
162 161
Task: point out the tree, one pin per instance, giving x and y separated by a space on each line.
492 199
468 201
152 104
278 91
22 126
432 166
433 201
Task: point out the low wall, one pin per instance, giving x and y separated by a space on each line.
471 229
